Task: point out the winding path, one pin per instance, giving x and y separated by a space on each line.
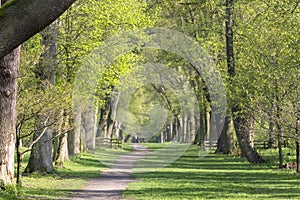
112 182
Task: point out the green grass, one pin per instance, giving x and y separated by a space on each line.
65 181
189 177
215 177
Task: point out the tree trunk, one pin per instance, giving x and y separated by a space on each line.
207 124
280 136
83 129
26 18
104 116
74 136
62 151
89 126
242 124
229 144
20 156
57 135
87 130
197 129
9 69
271 142
41 155
175 128
222 138
297 145
251 131
184 129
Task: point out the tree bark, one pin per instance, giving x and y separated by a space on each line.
297 144
280 136
103 121
21 19
74 136
271 142
62 151
242 124
41 155
89 128
9 69
229 144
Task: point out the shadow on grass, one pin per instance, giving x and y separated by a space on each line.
213 177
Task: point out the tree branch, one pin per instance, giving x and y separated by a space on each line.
21 19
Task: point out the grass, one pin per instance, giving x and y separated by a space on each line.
65 181
189 177
215 177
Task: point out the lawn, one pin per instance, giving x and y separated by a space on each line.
189 177
65 181
215 177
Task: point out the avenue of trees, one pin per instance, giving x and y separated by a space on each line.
254 44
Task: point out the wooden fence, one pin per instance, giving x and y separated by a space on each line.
109 142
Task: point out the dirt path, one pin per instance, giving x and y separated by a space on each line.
112 182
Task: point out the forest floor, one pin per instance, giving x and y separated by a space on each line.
113 181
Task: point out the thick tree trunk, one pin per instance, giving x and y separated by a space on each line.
242 124
113 114
104 116
89 127
74 136
9 69
222 138
229 144
21 19
41 155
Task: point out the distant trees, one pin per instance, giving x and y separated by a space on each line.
45 106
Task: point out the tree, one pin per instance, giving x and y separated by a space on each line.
242 121
268 55
9 66
18 15
41 155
